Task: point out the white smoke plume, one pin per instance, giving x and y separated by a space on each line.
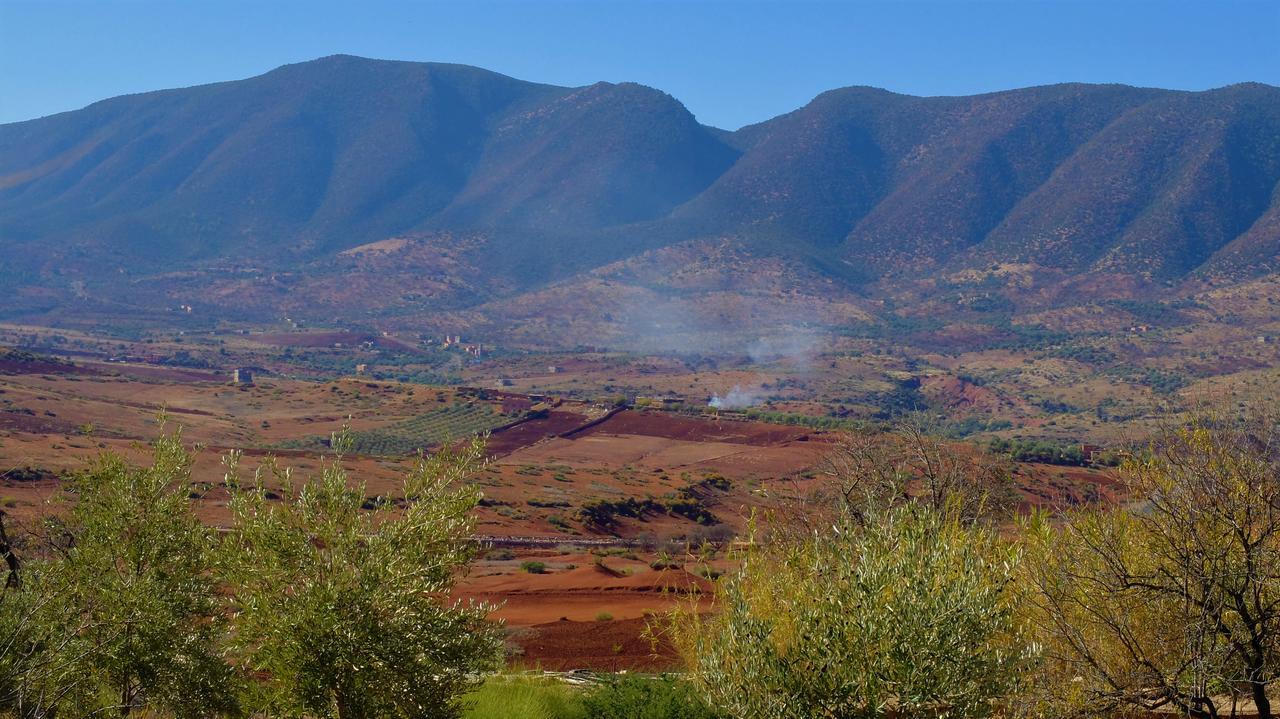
736 398
796 345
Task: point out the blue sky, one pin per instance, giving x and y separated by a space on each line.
731 63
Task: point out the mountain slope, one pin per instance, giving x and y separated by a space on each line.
328 154
1160 190
299 155
276 176
1077 177
599 156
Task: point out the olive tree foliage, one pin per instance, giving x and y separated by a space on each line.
906 612
117 610
870 470
32 679
344 612
1175 601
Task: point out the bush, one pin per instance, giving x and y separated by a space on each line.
1174 605
913 607
533 567
124 605
645 698
343 610
604 617
1042 451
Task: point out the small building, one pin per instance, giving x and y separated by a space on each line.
242 375
362 368
553 370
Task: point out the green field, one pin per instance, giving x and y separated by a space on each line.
430 429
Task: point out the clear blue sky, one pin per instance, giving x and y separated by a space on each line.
731 63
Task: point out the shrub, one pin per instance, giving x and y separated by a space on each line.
533 567
340 609
123 608
665 561
710 573
912 606
1176 605
624 697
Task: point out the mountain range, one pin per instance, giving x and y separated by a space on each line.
419 187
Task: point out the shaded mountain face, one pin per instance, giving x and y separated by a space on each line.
1076 177
279 175
329 154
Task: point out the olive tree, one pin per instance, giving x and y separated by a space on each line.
37 624
907 612
1175 601
341 603
117 611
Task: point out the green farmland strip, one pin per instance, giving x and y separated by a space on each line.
430 429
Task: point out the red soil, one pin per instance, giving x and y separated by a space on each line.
10 366
558 620
957 394
528 433
1052 486
582 594
689 429
603 646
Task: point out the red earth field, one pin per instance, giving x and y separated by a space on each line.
597 590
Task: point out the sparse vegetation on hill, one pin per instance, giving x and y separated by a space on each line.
690 502
1047 452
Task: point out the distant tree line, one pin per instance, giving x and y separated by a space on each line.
1049 452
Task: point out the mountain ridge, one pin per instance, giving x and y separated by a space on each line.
285 169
